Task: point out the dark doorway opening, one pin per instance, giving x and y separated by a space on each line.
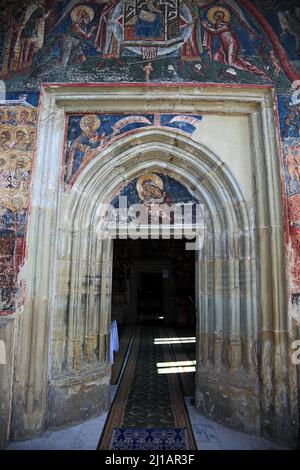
153 280
153 292
150 296
154 287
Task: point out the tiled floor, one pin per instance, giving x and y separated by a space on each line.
208 435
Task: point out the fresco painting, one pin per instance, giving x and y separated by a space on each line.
284 17
17 135
89 134
220 57
145 40
289 107
153 190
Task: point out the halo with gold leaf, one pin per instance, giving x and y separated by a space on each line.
151 177
33 112
22 129
75 14
25 132
13 158
26 159
89 121
9 109
211 12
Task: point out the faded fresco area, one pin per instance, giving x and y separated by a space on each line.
17 134
89 134
148 40
289 107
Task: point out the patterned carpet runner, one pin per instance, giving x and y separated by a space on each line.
148 412
148 439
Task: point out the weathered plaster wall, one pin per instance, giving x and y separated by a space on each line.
232 142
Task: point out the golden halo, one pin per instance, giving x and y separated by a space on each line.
23 199
13 158
213 10
20 110
33 111
4 162
26 160
12 110
90 121
76 11
26 137
11 130
149 176
22 129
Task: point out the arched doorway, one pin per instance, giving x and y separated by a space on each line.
224 298
68 305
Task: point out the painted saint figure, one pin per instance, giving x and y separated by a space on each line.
11 117
18 178
150 188
81 17
190 51
2 117
105 41
292 120
291 168
88 140
228 52
149 22
297 163
31 33
5 139
71 43
21 143
289 20
24 36
275 63
23 119
31 140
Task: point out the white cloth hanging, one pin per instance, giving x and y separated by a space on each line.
114 341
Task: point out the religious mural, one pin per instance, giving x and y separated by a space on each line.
284 17
152 41
289 107
147 40
153 191
17 134
89 134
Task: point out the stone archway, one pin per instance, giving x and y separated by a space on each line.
64 327
226 302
